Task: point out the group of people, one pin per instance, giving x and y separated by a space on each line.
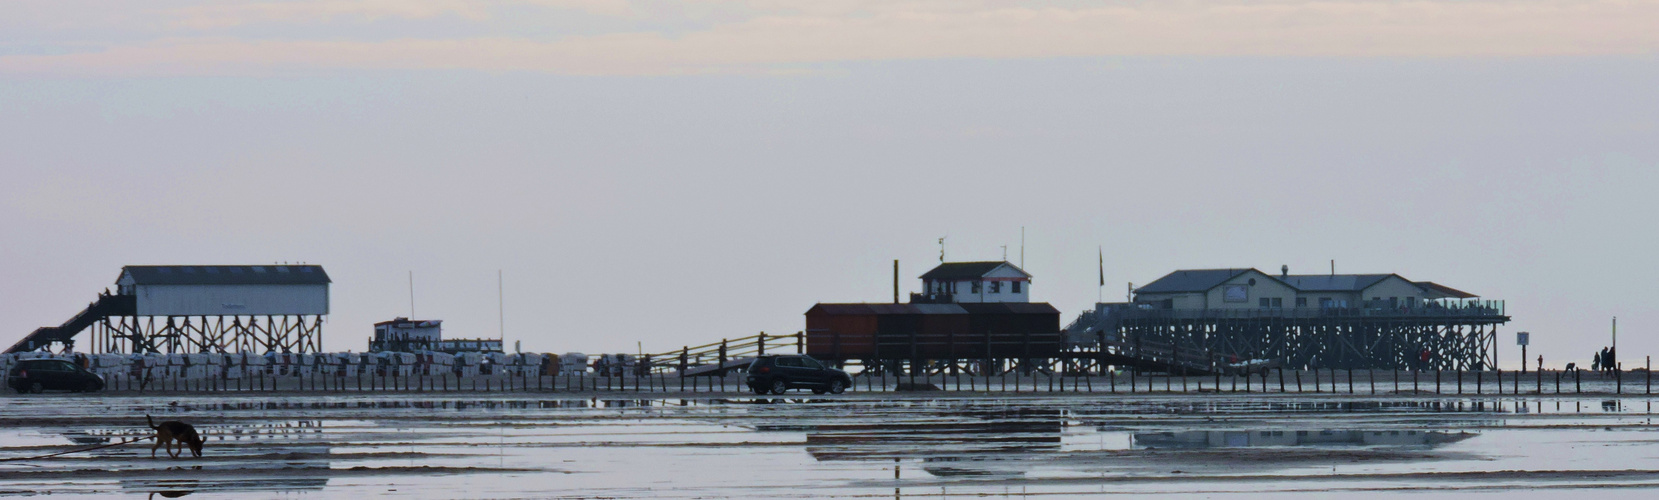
1605 361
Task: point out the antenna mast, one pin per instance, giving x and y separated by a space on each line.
411 293
501 304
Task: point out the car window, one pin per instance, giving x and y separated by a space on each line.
789 362
810 363
65 366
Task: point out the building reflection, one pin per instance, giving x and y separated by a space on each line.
1324 437
948 444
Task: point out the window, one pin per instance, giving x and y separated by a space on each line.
1264 302
789 362
1235 293
1393 302
1301 302
1324 302
1016 287
976 287
996 287
810 363
1278 302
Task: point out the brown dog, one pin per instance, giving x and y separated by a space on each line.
173 431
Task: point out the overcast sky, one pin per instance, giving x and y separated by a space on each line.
673 172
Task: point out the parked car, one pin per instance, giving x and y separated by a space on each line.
38 375
780 373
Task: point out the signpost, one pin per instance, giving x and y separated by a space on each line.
1521 339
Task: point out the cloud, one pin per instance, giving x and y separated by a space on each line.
230 15
773 36
216 16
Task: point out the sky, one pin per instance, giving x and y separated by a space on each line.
651 174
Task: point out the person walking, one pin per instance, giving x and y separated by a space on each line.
1595 363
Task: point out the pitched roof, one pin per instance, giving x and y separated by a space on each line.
225 275
1191 280
1333 282
858 309
1439 289
968 270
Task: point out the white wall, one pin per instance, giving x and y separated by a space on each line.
1393 286
1265 287
232 300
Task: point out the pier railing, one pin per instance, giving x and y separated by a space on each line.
718 358
1490 309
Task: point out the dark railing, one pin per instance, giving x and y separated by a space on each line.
724 352
1492 309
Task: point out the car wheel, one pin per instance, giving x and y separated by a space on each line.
836 387
779 386
36 388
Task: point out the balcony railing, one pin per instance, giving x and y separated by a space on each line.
1490 309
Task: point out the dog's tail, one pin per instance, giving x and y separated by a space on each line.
152 422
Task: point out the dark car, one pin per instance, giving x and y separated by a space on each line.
37 375
777 374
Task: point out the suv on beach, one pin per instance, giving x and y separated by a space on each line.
38 375
776 374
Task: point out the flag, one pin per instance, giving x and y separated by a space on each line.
1102 266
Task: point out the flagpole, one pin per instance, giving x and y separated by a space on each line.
1100 290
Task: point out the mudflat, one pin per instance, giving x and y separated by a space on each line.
849 446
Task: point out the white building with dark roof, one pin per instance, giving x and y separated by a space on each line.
1248 288
974 282
275 290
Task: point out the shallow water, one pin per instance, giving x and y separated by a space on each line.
445 446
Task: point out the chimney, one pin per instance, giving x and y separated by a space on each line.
1333 267
895 281
1284 271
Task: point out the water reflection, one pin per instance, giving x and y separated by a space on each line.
940 436
174 488
299 449
1325 437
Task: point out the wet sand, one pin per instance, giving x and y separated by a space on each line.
620 445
